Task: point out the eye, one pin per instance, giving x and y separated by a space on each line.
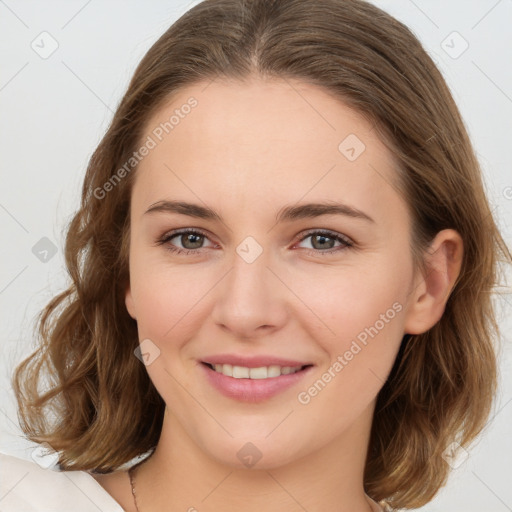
322 242
191 241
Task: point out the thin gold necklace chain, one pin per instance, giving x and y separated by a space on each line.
131 474
132 483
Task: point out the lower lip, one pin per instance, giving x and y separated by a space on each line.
252 390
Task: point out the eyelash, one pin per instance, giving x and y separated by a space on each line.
347 243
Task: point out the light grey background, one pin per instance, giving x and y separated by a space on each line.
55 110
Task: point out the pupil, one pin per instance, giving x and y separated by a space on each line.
190 238
323 237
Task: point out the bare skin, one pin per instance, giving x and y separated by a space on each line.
246 151
117 484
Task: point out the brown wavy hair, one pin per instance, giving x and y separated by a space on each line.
99 409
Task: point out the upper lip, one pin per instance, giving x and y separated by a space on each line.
252 361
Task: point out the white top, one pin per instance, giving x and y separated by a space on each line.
25 486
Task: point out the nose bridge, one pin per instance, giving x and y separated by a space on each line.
250 296
248 281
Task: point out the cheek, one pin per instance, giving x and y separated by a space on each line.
168 306
359 357
165 310
162 295
172 302
354 303
360 333
367 315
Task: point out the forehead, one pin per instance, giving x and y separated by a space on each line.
263 142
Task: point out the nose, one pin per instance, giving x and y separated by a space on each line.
250 301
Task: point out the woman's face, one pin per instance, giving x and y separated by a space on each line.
264 277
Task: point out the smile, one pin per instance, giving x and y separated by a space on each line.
263 372
248 384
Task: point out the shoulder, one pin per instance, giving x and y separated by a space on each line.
26 486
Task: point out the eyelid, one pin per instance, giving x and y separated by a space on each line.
165 237
326 232
345 240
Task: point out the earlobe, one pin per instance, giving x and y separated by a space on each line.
128 300
429 297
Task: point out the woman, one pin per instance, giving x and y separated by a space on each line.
281 270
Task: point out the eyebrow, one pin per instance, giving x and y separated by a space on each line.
287 213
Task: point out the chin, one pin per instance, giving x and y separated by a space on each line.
255 453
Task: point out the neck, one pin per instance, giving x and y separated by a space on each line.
181 476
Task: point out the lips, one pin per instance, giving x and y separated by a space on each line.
248 384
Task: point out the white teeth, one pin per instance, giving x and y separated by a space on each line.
263 372
240 372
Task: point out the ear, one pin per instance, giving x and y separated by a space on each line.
431 291
128 300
